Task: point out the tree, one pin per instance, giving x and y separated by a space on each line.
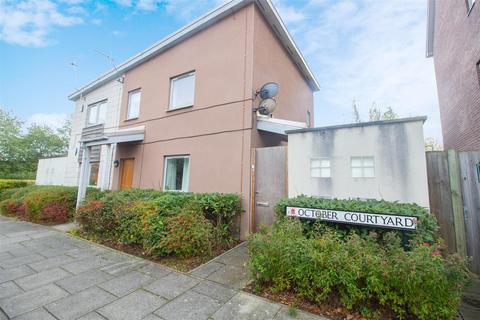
356 114
432 144
377 114
20 150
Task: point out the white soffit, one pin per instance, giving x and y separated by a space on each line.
279 126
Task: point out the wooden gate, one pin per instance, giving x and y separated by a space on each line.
270 184
454 189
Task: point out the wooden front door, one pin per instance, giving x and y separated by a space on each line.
126 175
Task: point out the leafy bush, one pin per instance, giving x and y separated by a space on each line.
10 184
427 228
163 223
364 274
46 204
186 235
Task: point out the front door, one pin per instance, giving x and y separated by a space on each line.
126 174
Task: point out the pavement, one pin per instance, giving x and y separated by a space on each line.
470 306
47 274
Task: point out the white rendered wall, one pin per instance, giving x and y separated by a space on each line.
400 163
111 91
51 171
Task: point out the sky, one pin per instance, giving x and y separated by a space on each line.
371 52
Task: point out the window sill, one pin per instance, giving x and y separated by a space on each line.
180 108
130 119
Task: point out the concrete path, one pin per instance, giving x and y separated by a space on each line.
47 274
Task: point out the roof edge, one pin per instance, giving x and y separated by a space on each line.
196 26
360 124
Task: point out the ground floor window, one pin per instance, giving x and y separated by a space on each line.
93 175
176 173
320 168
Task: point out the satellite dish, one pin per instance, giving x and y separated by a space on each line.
267 106
268 90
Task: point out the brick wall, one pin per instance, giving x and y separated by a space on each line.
456 54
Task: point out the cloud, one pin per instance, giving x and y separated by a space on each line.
52 120
28 23
369 51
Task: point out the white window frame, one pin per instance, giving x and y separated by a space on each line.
172 85
99 105
325 164
362 166
187 176
130 94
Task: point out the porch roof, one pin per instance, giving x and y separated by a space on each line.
119 136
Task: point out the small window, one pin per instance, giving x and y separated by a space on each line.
182 91
176 173
320 168
133 104
470 4
363 167
93 175
96 113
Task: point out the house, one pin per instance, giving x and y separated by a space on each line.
182 115
369 160
453 40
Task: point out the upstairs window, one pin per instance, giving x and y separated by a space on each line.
182 91
176 173
363 167
133 109
320 168
96 113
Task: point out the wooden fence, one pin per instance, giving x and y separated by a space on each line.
454 189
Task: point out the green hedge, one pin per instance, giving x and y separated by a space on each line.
163 223
10 184
44 204
427 227
377 279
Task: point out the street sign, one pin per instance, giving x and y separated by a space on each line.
386 220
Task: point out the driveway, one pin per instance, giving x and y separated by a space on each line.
47 274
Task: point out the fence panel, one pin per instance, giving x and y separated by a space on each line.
470 179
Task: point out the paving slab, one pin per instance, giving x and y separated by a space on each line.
232 276
155 270
12 274
207 269
92 316
172 285
134 306
87 264
9 289
51 263
189 306
82 281
31 300
77 305
15 262
283 314
42 278
244 306
214 290
127 283
38 314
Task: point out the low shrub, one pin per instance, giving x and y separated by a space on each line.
163 223
427 227
45 204
363 274
186 235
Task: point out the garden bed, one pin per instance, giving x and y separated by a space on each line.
180 230
345 271
184 264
